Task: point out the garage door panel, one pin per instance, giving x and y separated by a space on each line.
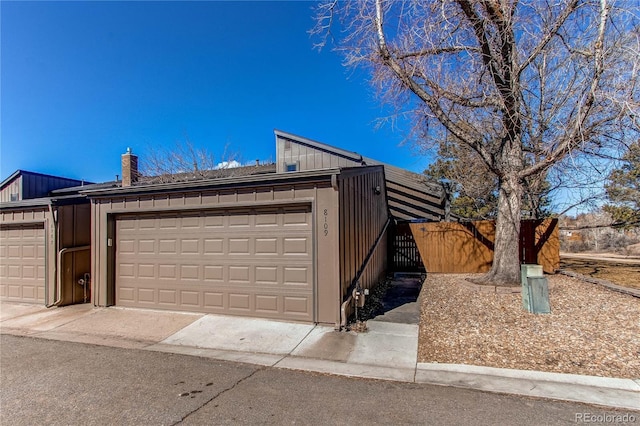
239 301
229 245
239 274
190 222
190 272
296 276
29 272
147 246
14 291
22 260
296 305
126 294
147 271
165 223
215 220
168 297
267 275
190 246
214 300
126 246
239 246
167 272
254 262
13 252
214 273
167 246
239 220
267 303
294 246
147 295
126 270
213 246
41 293
297 218
268 219
190 298
240 271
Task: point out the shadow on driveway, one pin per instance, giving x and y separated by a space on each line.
400 302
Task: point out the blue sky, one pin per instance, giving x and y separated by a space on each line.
82 81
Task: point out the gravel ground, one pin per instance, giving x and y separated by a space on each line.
591 330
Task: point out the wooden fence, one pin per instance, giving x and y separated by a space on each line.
467 247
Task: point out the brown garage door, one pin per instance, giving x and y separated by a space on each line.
22 263
254 262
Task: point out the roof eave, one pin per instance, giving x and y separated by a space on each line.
44 202
352 155
242 181
10 178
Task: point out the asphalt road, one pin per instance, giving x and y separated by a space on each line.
53 382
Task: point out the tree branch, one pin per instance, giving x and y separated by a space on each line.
571 7
577 133
437 51
416 88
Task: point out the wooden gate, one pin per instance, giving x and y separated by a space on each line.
404 255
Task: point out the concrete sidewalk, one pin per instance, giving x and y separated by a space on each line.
387 351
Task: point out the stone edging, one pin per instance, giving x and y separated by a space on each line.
489 288
604 283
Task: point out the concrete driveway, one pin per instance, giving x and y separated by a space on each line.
387 351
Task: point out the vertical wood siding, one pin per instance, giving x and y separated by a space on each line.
75 231
363 216
309 158
29 185
409 195
12 189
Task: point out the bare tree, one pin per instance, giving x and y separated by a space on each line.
185 161
529 86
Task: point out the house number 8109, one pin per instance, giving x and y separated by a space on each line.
325 224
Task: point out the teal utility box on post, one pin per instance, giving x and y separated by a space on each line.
538 295
535 289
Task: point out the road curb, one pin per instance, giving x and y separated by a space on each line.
365 371
605 391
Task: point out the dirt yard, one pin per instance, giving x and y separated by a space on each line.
591 330
624 272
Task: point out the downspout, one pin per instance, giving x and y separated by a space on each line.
334 185
355 284
61 253
343 313
54 216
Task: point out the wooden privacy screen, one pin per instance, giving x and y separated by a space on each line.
404 254
467 247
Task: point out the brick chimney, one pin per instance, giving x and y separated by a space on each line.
129 168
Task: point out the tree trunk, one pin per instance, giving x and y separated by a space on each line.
506 260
